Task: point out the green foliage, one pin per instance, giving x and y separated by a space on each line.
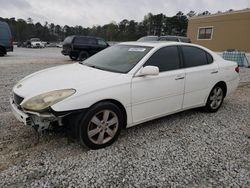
126 30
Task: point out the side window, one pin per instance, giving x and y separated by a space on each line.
166 59
209 58
101 42
80 40
194 56
92 41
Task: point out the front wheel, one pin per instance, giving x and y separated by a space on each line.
215 99
83 55
101 125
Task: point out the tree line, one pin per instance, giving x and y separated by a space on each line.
126 30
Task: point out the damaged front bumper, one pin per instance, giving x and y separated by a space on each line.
37 120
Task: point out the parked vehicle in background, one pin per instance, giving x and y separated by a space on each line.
82 47
59 44
148 39
165 38
26 44
6 41
122 86
51 44
37 43
175 39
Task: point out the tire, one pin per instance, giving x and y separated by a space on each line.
2 52
83 55
100 126
73 56
215 99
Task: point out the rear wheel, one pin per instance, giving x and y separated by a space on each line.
73 56
83 55
101 125
215 99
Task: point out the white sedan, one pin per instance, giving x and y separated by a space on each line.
123 86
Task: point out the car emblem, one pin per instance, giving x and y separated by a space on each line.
20 85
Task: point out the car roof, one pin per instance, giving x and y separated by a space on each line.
82 36
153 43
172 36
159 44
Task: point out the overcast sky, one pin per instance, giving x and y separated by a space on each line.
98 12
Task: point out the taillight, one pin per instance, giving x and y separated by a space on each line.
237 69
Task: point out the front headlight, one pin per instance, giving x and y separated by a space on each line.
43 101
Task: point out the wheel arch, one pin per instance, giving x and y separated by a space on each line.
119 104
224 87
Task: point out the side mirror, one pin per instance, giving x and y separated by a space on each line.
148 71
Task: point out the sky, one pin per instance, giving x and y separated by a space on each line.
99 12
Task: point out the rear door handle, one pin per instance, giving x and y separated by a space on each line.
180 78
214 72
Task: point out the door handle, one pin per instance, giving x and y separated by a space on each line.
180 78
214 72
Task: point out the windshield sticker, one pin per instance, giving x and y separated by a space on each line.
137 49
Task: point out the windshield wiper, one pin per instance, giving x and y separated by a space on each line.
100 68
93 66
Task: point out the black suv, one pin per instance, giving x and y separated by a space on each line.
82 47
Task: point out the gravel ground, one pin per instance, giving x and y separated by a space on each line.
188 149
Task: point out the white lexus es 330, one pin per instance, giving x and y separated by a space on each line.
122 86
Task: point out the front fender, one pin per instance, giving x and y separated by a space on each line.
77 101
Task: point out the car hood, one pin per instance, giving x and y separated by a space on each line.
76 76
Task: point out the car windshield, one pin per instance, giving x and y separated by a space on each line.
119 58
68 39
148 38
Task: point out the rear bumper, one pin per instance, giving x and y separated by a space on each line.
232 86
9 49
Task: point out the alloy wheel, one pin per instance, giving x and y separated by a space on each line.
216 98
102 127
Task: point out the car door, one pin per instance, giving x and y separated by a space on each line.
92 46
201 75
158 95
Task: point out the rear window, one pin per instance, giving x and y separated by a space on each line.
148 39
85 40
4 33
175 39
187 40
